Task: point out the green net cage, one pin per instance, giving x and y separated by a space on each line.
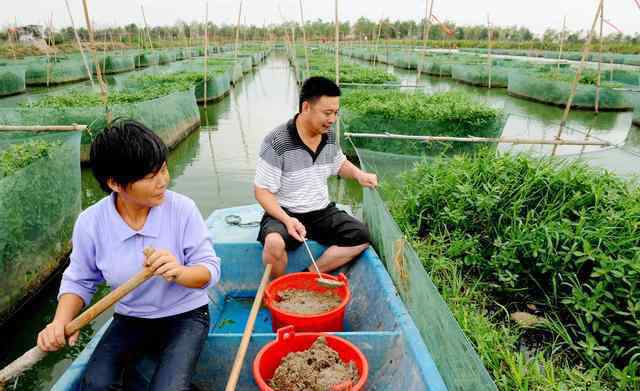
556 92
113 64
12 80
52 72
148 59
171 125
478 75
40 199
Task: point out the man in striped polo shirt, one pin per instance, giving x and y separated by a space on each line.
295 161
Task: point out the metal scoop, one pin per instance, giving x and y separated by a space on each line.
322 281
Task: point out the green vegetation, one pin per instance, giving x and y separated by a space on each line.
18 156
507 234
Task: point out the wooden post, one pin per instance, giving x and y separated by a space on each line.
489 36
235 53
103 87
206 51
562 37
75 34
574 86
304 38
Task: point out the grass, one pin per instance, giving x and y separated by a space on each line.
498 233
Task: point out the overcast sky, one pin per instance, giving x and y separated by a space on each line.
535 14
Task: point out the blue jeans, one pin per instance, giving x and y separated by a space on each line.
175 342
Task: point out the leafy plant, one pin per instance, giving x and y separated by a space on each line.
535 231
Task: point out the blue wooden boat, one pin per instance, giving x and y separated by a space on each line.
376 320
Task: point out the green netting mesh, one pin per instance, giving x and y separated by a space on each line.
146 59
116 64
557 92
479 75
39 201
172 125
12 80
56 72
166 57
453 353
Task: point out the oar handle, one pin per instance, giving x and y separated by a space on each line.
248 329
35 354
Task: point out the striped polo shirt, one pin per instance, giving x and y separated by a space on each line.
293 172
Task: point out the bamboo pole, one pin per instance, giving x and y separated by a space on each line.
574 86
489 36
103 86
146 27
235 53
501 140
599 77
42 128
75 34
11 44
427 32
206 51
304 38
377 41
562 38
337 20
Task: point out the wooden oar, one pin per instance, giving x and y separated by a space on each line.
248 329
35 354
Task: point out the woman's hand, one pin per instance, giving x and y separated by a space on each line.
52 338
366 179
165 264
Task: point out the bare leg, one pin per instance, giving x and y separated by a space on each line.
336 256
274 253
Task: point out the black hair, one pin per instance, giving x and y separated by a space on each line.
316 87
126 152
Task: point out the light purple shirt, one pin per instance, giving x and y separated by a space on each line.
105 248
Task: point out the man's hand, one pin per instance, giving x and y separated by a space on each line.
367 179
295 228
52 338
165 264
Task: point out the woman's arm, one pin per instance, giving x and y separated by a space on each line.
52 337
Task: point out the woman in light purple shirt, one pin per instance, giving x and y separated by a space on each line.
167 316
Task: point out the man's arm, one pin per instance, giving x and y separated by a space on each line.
349 171
272 207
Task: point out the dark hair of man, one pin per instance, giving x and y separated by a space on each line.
126 152
316 87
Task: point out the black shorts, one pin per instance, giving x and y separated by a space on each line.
329 226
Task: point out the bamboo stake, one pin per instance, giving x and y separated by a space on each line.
599 78
11 44
501 140
427 32
206 51
304 38
42 128
489 33
375 50
235 54
146 27
574 86
337 20
103 87
75 34
562 37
